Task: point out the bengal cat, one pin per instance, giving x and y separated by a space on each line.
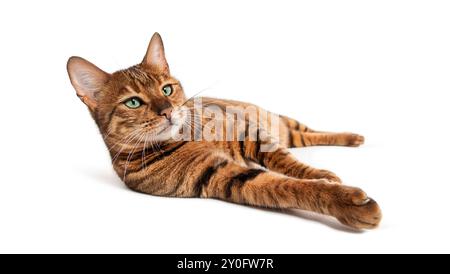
138 110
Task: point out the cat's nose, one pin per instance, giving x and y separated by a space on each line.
166 112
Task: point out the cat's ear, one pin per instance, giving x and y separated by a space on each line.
155 58
87 79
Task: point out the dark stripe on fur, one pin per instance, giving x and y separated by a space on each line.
204 178
301 140
240 180
242 148
257 146
111 115
163 154
242 138
291 139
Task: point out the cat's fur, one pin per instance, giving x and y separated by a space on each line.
236 171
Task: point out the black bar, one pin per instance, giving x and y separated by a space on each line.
215 263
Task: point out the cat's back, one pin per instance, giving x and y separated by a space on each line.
223 103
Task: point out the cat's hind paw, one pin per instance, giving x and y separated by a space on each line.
355 140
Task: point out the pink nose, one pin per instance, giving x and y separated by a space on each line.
166 112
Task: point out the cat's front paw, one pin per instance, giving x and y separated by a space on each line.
352 207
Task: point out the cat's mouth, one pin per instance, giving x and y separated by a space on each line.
170 128
164 129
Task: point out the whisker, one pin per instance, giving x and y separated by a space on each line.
126 137
131 153
143 151
120 151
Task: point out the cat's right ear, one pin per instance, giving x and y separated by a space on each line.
87 79
155 58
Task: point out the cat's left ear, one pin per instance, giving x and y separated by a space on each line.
87 79
155 58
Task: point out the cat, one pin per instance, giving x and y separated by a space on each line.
138 110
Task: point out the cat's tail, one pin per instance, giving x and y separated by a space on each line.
299 135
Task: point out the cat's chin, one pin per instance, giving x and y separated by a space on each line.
167 133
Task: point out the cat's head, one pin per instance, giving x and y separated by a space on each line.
141 102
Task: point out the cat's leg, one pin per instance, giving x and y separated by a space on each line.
234 183
277 158
282 161
299 135
306 139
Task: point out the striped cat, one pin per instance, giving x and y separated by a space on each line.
138 110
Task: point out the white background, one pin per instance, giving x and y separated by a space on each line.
379 68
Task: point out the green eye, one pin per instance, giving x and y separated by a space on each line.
133 103
167 90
